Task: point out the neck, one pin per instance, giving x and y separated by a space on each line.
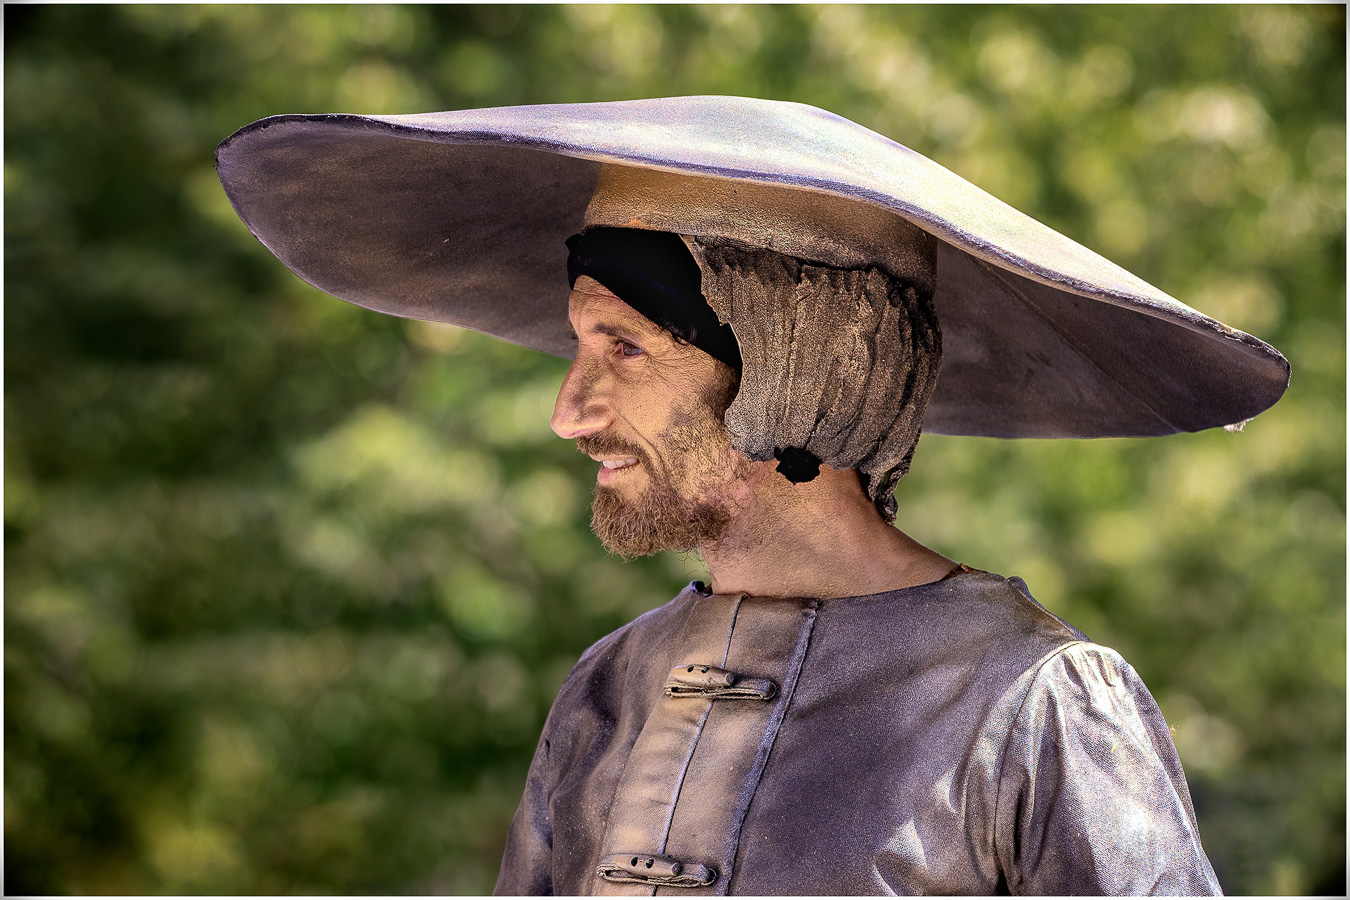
823 539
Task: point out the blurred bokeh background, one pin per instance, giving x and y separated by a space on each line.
289 585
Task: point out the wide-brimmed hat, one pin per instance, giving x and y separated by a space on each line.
461 217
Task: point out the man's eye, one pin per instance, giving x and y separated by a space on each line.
629 350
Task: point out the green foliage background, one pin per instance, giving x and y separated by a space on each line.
290 585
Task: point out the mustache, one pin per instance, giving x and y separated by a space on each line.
604 443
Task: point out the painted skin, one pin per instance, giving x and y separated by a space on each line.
638 402
634 393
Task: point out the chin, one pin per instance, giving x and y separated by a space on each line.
656 520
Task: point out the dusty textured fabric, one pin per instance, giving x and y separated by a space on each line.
952 738
840 363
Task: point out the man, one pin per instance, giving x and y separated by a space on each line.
762 298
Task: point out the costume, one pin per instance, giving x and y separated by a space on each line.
948 738
951 738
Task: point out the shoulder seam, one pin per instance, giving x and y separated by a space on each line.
1012 727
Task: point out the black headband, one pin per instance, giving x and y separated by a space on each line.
654 272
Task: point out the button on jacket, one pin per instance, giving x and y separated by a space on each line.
950 738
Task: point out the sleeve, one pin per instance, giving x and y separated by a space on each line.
527 863
1091 796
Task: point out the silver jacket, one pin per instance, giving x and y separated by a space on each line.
951 738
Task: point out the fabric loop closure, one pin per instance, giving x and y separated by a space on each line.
712 682
654 870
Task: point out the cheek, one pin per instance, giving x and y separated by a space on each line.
679 410
646 406
652 409
697 439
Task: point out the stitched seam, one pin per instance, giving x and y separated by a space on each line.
726 651
693 746
751 784
1012 730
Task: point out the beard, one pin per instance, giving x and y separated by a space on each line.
659 519
662 516
686 504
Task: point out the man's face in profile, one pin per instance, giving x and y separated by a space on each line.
649 409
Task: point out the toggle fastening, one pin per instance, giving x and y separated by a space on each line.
654 870
698 680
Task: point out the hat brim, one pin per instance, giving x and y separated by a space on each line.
461 217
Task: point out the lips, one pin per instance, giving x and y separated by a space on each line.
611 469
615 455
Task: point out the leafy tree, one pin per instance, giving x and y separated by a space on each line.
290 585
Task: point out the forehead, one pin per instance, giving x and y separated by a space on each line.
591 306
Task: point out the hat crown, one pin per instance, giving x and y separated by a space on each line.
808 225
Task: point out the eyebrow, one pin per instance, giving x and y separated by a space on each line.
614 331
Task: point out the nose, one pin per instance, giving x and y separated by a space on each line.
583 406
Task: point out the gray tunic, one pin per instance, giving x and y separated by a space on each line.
951 738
